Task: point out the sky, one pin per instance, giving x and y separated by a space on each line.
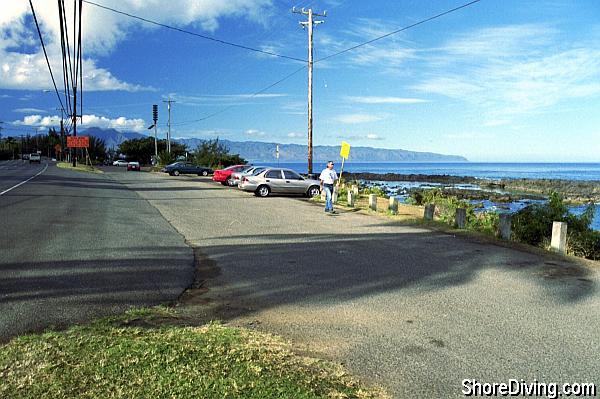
498 81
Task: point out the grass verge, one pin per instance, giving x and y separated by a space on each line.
133 356
79 167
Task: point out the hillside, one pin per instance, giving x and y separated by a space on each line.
257 151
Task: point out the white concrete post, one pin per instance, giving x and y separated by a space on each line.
505 226
351 198
393 205
373 201
559 237
460 219
355 190
429 211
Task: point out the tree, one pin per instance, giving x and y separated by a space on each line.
212 153
97 149
142 150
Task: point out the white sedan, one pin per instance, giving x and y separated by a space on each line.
120 162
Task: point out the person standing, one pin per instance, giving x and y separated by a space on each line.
328 177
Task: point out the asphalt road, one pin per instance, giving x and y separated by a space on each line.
75 246
414 310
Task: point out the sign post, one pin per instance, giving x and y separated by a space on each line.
344 153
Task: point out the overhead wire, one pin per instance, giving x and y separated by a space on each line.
338 53
45 53
214 39
397 31
250 96
65 58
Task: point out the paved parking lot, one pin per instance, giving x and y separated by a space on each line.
413 310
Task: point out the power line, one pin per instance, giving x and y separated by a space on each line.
45 53
250 96
398 31
214 39
333 55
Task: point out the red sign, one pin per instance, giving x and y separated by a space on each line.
78 141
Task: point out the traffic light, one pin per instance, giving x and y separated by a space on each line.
155 113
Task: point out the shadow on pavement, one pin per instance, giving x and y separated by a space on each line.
278 270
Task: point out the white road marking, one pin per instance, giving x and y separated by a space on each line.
25 181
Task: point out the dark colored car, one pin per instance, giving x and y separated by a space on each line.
186 168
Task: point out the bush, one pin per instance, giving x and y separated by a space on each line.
375 190
166 158
585 245
533 225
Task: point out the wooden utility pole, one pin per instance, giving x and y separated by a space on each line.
169 101
309 24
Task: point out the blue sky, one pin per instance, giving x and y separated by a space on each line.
496 81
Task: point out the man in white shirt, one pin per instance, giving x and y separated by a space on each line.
328 177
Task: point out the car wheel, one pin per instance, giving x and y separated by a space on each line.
224 183
313 191
263 191
170 173
230 182
176 172
204 173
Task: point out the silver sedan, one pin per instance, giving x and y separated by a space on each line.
236 177
280 181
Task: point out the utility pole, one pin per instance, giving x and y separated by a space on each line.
155 119
169 101
73 153
309 24
62 132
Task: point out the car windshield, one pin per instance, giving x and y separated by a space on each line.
258 171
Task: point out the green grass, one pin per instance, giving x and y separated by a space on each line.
79 167
134 357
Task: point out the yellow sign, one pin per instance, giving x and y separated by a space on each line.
345 151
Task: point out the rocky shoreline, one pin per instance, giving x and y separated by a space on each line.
575 192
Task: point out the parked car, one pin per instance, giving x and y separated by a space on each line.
133 166
120 162
236 177
34 157
183 167
223 176
280 181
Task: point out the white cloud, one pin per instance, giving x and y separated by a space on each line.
29 110
361 137
223 99
120 123
511 70
373 136
294 135
22 68
384 100
357 118
254 133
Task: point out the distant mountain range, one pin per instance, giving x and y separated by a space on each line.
257 151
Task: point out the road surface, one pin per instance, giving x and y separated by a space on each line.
414 310
74 246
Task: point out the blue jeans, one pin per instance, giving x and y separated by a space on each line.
328 197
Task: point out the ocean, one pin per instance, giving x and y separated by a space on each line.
480 170
567 171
